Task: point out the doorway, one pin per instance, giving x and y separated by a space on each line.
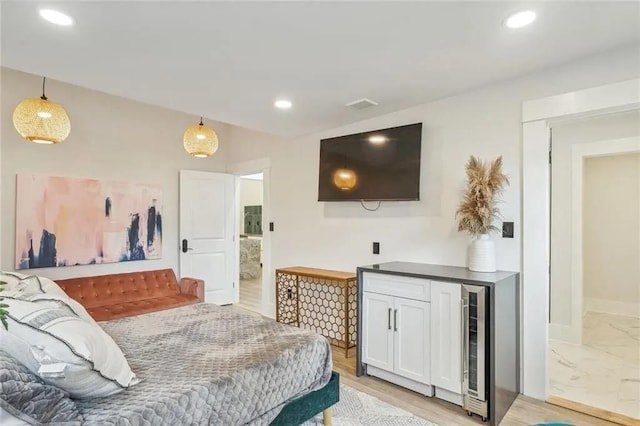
257 294
594 330
250 237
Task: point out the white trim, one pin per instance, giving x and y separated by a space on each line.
262 165
564 333
617 96
447 395
535 257
248 167
421 388
608 147
536 115
253 176
613 307
579 152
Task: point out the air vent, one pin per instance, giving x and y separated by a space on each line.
362 104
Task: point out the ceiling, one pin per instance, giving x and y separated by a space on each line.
229 61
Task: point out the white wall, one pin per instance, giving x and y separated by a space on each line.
564 136
111 138
250 195
485 122
612 232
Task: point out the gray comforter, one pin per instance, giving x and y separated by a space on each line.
205 364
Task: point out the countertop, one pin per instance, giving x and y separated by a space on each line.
446 273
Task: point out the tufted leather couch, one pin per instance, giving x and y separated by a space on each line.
108 297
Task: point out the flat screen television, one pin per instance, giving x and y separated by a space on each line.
380 165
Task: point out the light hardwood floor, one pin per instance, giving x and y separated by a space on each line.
251 294
524 411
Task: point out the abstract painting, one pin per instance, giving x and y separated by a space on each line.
62 221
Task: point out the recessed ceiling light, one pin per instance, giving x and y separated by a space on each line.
520 19
56 17
282 104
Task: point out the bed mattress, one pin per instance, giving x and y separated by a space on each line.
206 364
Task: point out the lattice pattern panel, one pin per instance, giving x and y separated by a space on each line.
323 304
353 313
286 298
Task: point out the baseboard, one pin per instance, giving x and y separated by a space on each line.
593 411
270 310
612 307
426 390
565 333
447 395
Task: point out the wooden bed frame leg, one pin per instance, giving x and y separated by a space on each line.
327 417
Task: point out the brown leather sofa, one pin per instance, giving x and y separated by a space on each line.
116 296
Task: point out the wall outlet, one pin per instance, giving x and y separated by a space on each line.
271 226
507 229
376 248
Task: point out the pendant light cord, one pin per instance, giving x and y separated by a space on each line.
44 80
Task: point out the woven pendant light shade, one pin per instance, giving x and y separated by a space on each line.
41 121
200 141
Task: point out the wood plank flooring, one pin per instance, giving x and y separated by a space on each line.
251 294
524 412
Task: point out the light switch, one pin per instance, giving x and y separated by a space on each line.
507 229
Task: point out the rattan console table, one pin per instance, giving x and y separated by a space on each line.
321 300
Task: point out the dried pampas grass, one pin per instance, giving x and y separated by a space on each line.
478 209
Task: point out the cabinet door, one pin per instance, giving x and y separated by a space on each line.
377 330
446 336
411 340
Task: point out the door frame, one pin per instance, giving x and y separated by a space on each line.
537 118
262 165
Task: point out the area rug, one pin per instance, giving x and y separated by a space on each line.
360 409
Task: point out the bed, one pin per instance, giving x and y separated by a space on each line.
203 364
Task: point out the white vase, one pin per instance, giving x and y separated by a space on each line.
482 254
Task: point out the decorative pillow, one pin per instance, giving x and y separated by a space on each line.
62 345
25 398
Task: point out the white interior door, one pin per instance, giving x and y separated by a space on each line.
207 240
411 346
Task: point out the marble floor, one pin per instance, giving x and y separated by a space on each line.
251 294
603 372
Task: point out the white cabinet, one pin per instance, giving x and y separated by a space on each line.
411 340
377 331
395 330
446 340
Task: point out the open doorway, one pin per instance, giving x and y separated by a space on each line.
250 199
594 346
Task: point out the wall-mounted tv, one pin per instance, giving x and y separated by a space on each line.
380 165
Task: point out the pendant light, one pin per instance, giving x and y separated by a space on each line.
40 120
200 141
345 179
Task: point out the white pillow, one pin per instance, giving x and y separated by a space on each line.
37 284
57 339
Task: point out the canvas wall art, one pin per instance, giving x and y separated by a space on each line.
62 221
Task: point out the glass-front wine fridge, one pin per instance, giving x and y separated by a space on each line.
474 346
